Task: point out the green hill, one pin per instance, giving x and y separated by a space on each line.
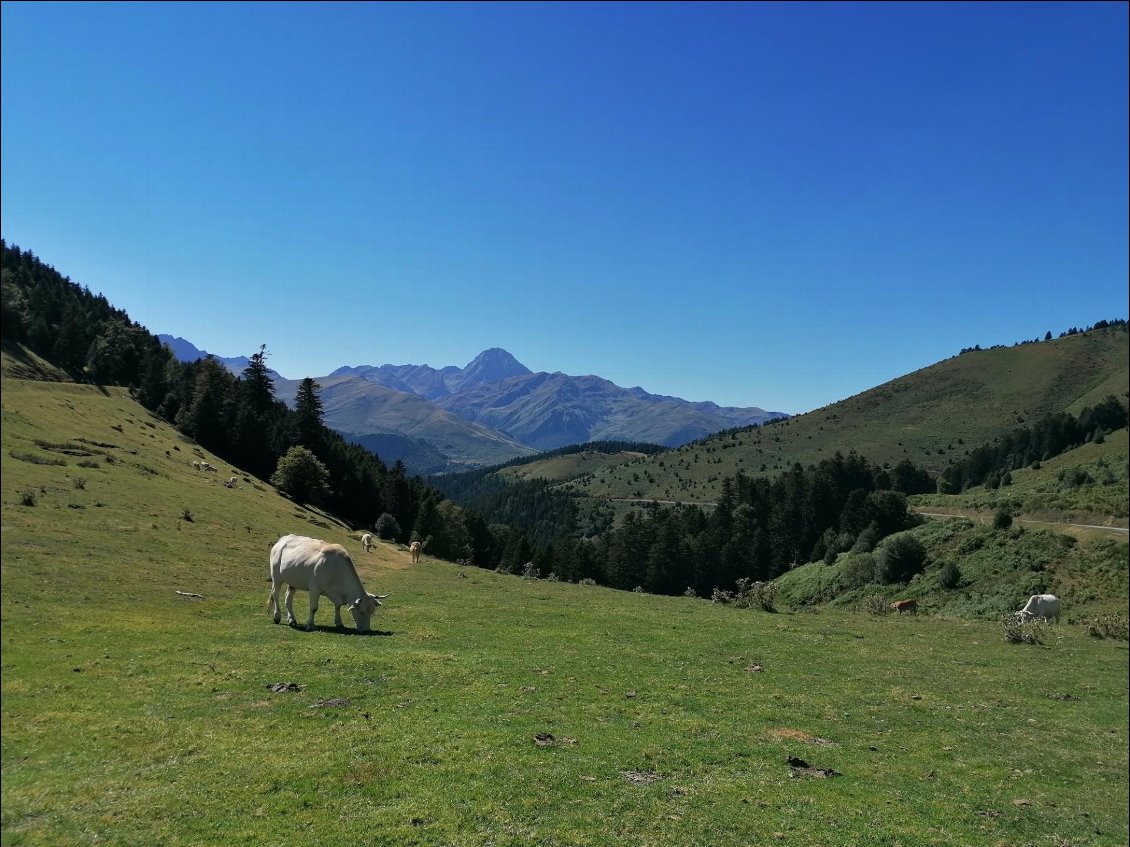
487 709
557 468
931 416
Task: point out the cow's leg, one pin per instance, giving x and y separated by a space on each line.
290 606
337 616
273 603
313 608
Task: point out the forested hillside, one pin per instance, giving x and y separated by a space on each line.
934 417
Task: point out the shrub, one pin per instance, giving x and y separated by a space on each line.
1109 626
720 596
857 570
1019 629
900 557
587 581
387 527
531 572
874 604
28 497
187 515
301 475
764 596
1002 518
79 482
750 594
867 539
88 463
949 576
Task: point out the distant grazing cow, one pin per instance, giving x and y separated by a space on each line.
230 483
196 466
207 466
367 542
414 548
1044 606
320 568
901 606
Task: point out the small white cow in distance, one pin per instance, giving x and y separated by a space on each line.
414 548
1044 606
323 569
230 483
367 542
207 466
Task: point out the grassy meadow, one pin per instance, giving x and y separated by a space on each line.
485 709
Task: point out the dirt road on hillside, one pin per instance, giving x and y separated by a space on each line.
976 517
980 517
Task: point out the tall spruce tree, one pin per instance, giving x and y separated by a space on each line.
258 387
308 413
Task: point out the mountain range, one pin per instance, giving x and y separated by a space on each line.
491 410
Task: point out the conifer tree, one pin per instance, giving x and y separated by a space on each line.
309 419
258 387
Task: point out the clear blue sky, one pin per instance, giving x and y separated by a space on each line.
775 205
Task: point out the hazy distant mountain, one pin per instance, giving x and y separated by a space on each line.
494 409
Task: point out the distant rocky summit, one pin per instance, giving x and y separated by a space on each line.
493 409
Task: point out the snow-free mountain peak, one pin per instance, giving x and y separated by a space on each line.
493 365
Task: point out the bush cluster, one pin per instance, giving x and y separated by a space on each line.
1109 626
1024 630
750 594
875 604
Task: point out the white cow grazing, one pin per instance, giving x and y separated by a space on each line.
367 542
1044 606
320 568
196 466
414 548
230 483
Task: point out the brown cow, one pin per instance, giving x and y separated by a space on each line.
901 606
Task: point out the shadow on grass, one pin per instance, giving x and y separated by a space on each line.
347 631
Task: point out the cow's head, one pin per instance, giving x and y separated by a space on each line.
363 609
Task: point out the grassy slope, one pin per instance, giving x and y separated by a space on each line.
929 416
557 468
1051 492
132 715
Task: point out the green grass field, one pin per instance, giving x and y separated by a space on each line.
134 715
